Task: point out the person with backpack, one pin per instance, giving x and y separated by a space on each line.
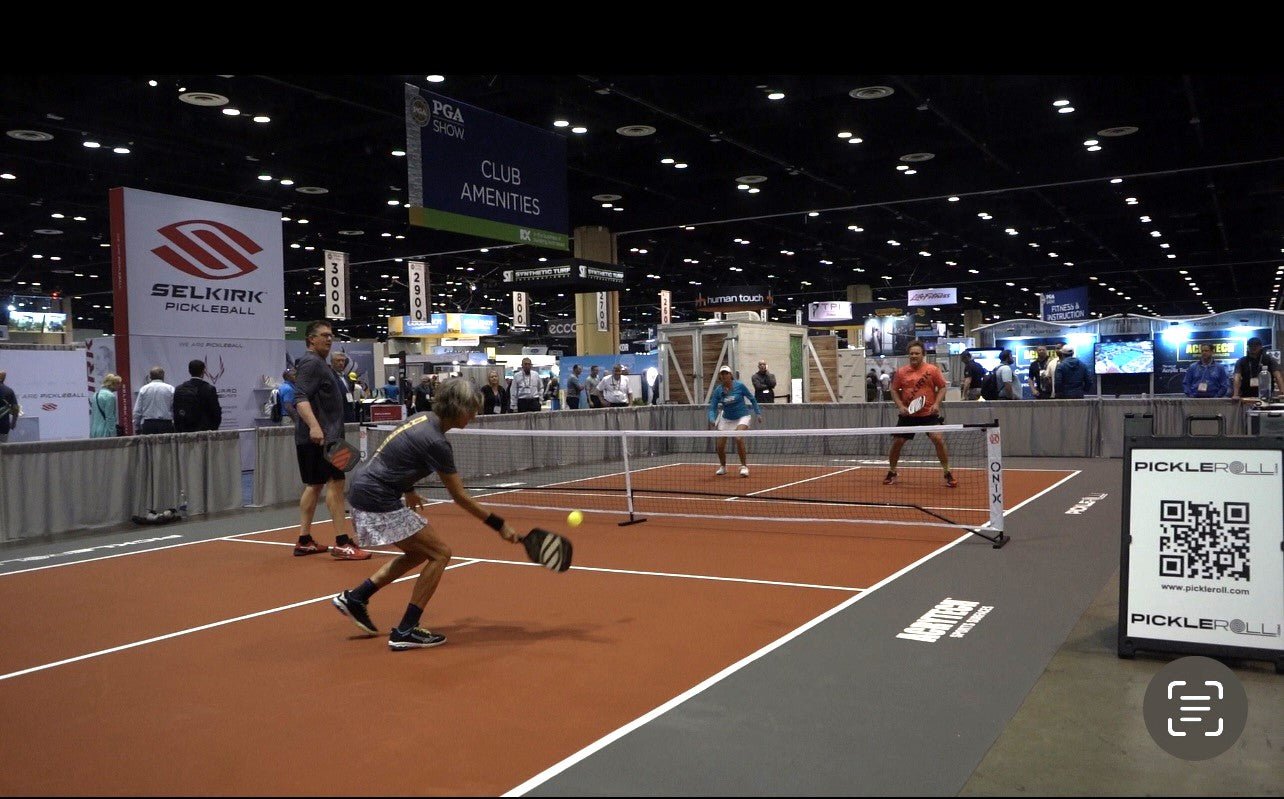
973 376
1006 376
196 405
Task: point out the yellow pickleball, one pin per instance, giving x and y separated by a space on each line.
574 518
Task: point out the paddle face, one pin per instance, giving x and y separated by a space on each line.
342 455
548 549
917 404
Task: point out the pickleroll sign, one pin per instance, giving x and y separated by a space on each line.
933 297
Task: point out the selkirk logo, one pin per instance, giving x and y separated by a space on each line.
207 249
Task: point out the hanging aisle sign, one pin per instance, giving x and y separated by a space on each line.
473 172
666 306
521 309
336 284
420 292
603 312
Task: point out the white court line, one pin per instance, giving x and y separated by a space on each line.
466 562
607 740
191 630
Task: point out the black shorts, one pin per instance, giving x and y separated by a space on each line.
527 405
314 468
915 421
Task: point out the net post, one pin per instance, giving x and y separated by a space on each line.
994 484
628 480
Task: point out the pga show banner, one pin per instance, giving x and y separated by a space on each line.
1205 565
50 387
195 279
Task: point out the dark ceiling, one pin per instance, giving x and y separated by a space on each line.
1006 200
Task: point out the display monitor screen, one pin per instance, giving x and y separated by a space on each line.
26 321
55 322
1124 357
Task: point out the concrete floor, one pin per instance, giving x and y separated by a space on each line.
1080 732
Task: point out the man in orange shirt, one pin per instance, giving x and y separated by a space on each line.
918 391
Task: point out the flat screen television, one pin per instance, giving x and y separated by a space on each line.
26 321
1124 357
55 322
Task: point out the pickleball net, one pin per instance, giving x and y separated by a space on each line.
805 475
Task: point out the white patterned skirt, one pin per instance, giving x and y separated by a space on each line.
377 529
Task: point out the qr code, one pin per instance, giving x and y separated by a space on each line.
1208 540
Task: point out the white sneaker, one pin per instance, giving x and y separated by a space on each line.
744 471
721 470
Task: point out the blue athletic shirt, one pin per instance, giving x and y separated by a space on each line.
732 403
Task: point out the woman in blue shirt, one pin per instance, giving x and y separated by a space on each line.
727 411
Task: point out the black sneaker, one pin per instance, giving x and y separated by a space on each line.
356 611
418 638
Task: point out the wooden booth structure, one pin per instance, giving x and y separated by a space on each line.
692 352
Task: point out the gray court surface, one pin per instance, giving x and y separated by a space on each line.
847 708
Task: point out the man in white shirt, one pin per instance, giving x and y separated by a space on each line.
615 388
528 388
154 406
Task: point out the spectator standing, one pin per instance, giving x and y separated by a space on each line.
285 392
615 389
553 393
1072 378
391 391
423 394
885 386
1007 376
594 387
574 386
1206 377
8 408
973 374
104 419
154 407
527 388
339 362
1037 366
764 384
1048 385
871 386
318 402
1248 373
359 391
495 397
196 405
